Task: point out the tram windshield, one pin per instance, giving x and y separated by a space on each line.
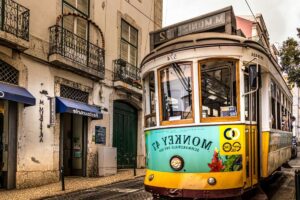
218 88
176 91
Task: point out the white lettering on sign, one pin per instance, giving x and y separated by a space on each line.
81 112
2 94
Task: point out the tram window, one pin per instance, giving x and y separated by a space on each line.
246 86
149 98
273 104
218 89
176 92
278 110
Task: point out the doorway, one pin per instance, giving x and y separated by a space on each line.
74 140
1 144
8 143
125 134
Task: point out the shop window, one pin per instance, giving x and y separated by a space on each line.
176 92
149 98
218 89
8 73
129 43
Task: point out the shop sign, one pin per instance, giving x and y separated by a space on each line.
85 113
52 111
2 94
100 135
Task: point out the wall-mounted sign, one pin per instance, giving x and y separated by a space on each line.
52 111
100 135
210 21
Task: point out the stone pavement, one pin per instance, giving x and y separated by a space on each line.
71 184
286 187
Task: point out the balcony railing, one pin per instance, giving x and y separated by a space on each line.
77 49
126 72
14 19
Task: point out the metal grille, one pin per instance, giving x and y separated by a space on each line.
8 73
124 71
75 94
77 49
14 19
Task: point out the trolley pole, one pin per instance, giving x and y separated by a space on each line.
297 184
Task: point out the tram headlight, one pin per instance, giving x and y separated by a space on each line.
211 181
176 163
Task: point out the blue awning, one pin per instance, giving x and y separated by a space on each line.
16 93
64 105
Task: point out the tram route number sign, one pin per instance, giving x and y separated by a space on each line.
100 135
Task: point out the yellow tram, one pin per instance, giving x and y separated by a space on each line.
217 110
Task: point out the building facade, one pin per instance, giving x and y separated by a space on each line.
70 86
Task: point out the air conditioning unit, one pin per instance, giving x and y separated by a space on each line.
107 160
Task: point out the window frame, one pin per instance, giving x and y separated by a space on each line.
237 74
181 121
76 9
148 98
281 99
129 43
75 19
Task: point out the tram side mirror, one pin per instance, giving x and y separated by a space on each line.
253 75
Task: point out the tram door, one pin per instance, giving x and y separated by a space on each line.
251 116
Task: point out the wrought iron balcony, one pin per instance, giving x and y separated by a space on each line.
88 57
128 73
14 19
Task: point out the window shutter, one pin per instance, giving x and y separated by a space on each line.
81 28
133 55
124 51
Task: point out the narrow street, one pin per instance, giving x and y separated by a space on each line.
281 186
131 189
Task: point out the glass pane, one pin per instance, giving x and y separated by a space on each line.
278 116
133 56
176 92
124 51
81 28
125 31
82 5
246 87
253 107
149 98
72 2
273 117
218 85
133 37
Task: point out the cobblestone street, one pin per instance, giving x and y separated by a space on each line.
280 187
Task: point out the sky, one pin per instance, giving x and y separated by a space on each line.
282 17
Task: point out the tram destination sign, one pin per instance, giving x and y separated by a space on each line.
202 23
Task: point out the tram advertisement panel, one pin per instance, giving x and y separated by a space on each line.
203 149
